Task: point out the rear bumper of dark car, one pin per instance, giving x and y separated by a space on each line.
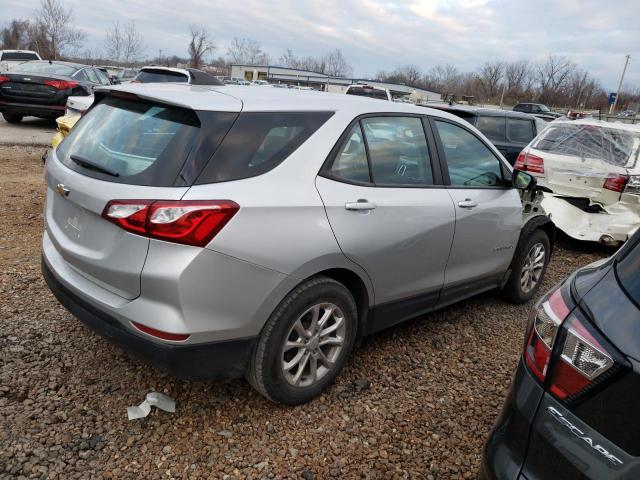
28 109
506 447
218 360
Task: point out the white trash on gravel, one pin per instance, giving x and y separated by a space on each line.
153 399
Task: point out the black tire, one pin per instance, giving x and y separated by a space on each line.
265 371
513 290
12 118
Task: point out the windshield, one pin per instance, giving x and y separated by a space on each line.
140 143
46 68
160 76
19 56
367 92
544 108
615 146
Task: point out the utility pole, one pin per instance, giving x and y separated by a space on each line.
504 89
615 102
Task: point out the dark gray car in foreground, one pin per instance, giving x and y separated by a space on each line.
572 412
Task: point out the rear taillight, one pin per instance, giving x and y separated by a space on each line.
616 183
544 322
563 351
190 222
173 337
4 78
61 84
527 162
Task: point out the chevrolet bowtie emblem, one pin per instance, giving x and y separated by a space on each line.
62 190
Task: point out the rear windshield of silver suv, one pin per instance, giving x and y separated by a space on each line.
135 142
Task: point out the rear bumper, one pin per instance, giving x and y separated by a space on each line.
36 110
505 451
224 359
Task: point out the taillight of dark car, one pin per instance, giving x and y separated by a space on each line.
527 162
564 351
4 78
189 222
61 84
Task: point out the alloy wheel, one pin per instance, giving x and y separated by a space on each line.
313 344
532 267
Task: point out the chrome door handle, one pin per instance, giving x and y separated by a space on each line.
360 205
468 203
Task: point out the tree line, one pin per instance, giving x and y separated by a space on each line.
555 81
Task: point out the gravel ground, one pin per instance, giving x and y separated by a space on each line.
416 401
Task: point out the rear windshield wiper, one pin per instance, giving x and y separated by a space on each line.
83 162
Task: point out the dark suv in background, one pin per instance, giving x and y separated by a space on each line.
572 412
509 131
537 109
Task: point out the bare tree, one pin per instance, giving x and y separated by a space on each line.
199 45
552 76
54 26
113 42
336 65
288 59
246 51
16 35
490 75
133 45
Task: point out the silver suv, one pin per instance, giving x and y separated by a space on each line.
229 231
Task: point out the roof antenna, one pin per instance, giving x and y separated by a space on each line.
49 61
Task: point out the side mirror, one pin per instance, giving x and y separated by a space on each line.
523 181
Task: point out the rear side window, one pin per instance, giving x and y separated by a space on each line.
19 56
351 161
260 141
628 270
131 142
161 76
492 127
471 163
520 130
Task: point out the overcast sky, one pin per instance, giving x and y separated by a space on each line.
377 34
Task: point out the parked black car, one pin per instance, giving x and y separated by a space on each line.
509 131
537 109
41 88
572 412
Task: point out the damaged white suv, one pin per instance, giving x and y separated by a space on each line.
592 169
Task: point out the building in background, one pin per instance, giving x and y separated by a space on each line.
326 83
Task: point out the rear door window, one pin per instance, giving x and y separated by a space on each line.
471 163
131 142
492 127
520 130
260 141
398 151
91 75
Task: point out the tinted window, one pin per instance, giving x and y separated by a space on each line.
91 75
471 163
19 56
144 144
102 77
492 127
628 270
351 161
161 76
46 67
520 130
260 141
368 92
397 151
80 75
